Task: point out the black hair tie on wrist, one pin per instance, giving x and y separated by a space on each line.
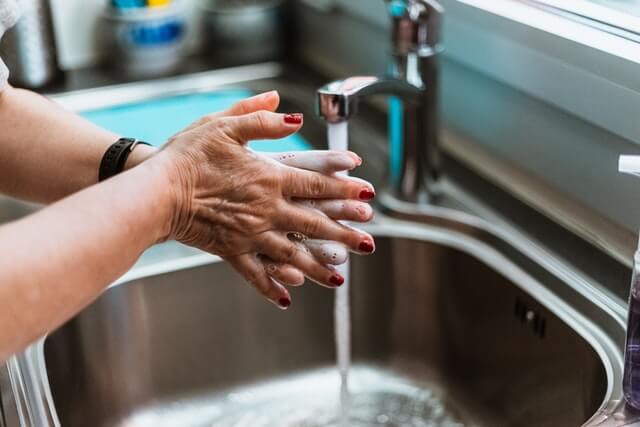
116 156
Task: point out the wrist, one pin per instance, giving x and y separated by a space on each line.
175 191
140 154
162 191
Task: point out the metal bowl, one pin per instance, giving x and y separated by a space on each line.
243 31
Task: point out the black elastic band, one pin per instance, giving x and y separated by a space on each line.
116 156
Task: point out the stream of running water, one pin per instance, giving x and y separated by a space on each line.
338 139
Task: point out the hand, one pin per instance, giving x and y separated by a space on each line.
236 203
327 162
326 252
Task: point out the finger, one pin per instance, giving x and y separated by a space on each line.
339 210
313 185
268 101
283 273
323 161
327 251
264 101
355 179
317 226
280 249
254 273
259 125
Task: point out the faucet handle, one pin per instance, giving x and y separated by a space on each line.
416 26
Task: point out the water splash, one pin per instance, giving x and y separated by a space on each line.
338 139
380 398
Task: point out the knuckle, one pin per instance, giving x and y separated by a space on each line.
261 122
316 185
253 225
289 252
220 126
313 226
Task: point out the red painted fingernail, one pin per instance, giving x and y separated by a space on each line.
284 302
336 279
366 246
293 119
366 194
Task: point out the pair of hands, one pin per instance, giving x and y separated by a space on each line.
272 217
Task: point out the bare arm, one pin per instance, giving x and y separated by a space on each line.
204 189
47 152
55 262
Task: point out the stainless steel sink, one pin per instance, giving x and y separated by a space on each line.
455 326
458 319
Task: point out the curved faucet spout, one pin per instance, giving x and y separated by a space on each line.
338 101
413 79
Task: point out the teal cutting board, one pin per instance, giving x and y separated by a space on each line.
156 120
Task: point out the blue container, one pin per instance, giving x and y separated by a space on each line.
144 42
127 4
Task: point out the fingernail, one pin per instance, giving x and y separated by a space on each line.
366 194
284 302
366 246
293 119
336 279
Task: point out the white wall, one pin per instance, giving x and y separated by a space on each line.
75 28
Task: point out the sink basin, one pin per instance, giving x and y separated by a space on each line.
197 345
458 320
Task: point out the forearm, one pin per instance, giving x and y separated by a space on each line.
58 260
47 153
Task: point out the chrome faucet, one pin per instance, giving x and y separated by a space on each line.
413 79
